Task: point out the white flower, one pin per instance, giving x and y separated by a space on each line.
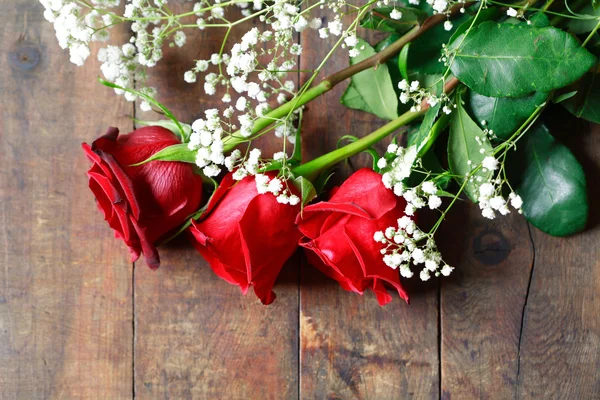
434 202
448 25
418 256
392 148
275 186
486 190
424 275
294 200
379 237
489 163
516 202
179 38
315 23
511 12
429 187
405 272
351 40
240 104
399 189
497 202
189 77
446 270
335 27
381 163
488 213
395 14
431 265
211 170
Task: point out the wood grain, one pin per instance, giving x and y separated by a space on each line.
482 303
350 347
65 293
197 336
560 350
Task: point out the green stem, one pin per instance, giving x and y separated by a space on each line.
261 123
592 33
332 80
312 169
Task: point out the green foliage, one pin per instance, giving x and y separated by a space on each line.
585 24
306 189
465 143
425 51
176 152
373 86
551 183
504 115
503 60
586 102
379 19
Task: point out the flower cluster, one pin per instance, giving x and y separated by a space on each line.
402 247
253 165
415 93
490 193
74 28
206 137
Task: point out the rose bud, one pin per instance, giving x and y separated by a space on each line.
144 203
246 236
338 234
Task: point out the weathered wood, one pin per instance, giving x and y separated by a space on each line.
560 346
65 293
482 303
197 336
350 347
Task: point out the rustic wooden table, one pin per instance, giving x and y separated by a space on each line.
520 319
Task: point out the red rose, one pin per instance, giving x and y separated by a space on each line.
247 237
339 234
141 203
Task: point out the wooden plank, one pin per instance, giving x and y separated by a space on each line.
197 336
560 346
482 302
65 293
350 347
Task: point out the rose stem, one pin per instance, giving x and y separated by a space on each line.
332 80
313 168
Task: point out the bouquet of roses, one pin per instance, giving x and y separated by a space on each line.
464 86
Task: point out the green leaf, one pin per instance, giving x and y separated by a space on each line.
502 60
420 138
486 14
306 189
151 100
168 124
585 23
559 98
425 51
352 99
586 102
374 85
392 64
176 152
504 115
296 158
539 20
379 19
403 61
464 149
551 183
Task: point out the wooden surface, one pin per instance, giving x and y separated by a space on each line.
520 318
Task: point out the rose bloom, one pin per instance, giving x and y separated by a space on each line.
144 203
245 236
338 234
